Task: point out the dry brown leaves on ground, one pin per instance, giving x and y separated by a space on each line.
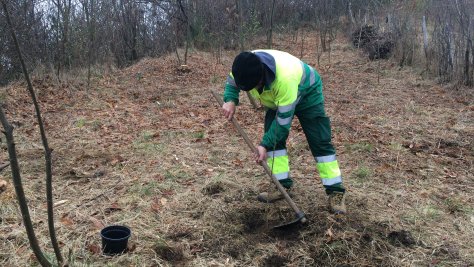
148 148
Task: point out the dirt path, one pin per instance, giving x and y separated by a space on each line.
147 147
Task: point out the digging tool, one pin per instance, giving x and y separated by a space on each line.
300 216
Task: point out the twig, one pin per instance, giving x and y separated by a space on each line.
398 155
3 166
95 198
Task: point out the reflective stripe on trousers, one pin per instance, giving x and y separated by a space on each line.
279 164
329 171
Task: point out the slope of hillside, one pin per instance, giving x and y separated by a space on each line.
147 147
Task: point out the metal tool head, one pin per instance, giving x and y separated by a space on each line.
300 219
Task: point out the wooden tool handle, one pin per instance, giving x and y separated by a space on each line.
264 163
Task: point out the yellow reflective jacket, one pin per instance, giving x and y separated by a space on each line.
287 81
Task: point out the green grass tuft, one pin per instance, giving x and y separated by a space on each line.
362 147
362 173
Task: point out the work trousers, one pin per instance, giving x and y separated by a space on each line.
317 129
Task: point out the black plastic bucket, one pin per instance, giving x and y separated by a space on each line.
115 239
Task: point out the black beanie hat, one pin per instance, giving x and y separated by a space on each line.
247 71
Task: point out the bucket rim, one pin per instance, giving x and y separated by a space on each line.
116 227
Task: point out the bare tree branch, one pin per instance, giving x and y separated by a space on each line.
47 150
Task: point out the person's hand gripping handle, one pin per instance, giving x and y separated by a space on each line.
228 109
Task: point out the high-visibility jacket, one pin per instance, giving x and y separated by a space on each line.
287 81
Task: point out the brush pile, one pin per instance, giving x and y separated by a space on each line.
377 45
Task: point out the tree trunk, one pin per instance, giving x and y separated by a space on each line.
467 78
176 50
471 73
188 30
425 37
67 18
270 37
351 17
467 56
15 168
187 47
20 193
451 51
322 35
302 44
47 151
89 12
241 30
58 31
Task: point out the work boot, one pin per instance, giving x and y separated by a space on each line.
336 202
266 197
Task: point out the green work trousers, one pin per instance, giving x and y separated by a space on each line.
317 129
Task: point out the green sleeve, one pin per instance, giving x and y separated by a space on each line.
231 92
276 134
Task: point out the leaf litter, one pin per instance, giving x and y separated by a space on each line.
155 154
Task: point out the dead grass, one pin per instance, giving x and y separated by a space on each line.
147 147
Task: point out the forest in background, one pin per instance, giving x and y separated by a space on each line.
59 36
